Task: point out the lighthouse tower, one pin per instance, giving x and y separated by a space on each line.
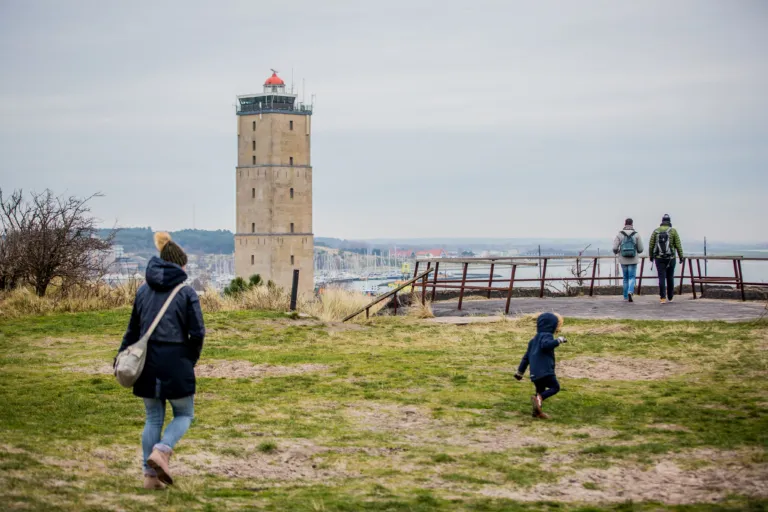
274 187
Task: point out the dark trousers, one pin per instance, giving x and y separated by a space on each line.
547 386
666 270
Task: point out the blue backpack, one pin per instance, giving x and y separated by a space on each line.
628 247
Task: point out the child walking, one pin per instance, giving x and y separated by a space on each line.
541 358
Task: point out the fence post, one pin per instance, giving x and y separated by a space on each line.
424 285
592 285
415 270
434 280
543 278
294 289
741 282
693 282
463 283
490 280
640 282
511 285
682 276
701 283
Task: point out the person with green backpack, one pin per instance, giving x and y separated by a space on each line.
664 243
627 246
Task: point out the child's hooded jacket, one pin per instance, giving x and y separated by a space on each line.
541 349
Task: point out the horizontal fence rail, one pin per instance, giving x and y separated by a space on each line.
584 272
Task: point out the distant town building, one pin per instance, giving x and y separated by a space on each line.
431 253
274 187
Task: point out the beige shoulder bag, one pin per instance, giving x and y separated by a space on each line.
130 362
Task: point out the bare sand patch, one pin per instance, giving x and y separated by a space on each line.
245 369
665 482
592 432
618 368
296 461
219 369
390 417
416 426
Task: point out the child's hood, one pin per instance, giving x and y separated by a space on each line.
547 322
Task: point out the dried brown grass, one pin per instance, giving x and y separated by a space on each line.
90 297
331 306
419 310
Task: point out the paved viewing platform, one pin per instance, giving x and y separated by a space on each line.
644 308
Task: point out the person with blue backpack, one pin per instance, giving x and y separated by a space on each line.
662 247
627 246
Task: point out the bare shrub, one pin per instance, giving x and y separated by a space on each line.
48 238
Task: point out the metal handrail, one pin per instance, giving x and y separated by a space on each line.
388 294
464 284
502 259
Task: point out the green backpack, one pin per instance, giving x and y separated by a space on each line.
628 247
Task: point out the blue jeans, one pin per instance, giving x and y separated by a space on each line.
183 412
629 271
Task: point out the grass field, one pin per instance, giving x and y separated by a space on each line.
393 414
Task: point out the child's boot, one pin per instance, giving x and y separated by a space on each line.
536 402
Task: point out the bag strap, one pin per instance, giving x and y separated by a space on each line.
163 310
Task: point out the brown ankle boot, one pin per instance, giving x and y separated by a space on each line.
543 416
536 404
158 461
153 483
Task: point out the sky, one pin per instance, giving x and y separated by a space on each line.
432 119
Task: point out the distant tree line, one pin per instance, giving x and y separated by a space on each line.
140 241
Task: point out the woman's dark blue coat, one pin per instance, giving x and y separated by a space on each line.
175 346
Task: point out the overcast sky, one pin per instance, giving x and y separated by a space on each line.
450 119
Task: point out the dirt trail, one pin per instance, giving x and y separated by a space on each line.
618 368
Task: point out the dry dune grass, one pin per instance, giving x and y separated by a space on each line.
419 310
333 305
95 297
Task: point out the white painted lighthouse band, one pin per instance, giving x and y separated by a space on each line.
274 187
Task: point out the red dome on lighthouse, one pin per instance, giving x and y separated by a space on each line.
274 80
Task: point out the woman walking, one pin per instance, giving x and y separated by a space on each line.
627 246
172 353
